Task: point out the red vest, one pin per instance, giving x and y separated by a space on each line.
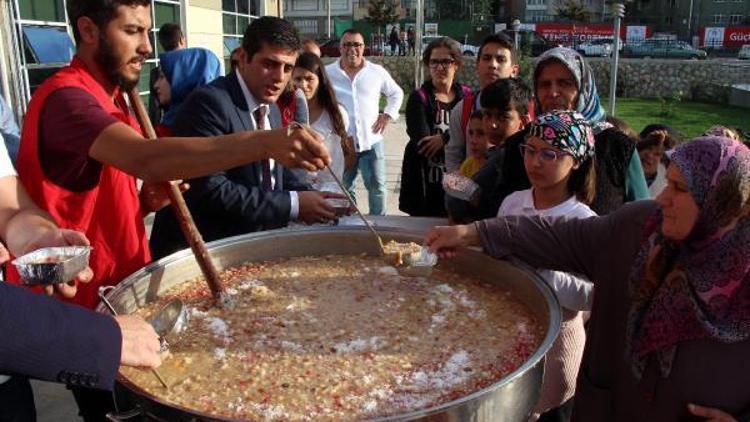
109 213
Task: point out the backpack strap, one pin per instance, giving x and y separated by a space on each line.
423 96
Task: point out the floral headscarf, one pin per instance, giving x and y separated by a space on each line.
698 288
567 131
588 98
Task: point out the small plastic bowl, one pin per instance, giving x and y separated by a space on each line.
52 265
340 205
418 264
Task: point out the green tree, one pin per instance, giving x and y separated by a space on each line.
451 9
382 12
573 11
482 10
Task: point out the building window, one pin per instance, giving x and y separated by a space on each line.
43 42
236 16
668 20
162 11
538 16
535 2
735 19
307 27
719 19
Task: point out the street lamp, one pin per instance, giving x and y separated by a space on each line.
515 26
618 10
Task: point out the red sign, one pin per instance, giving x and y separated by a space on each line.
729 37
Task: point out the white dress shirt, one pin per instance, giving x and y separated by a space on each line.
6 167
253 105
574 292
360 96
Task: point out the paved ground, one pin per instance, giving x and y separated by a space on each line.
55 404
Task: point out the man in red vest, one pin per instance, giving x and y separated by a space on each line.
82 149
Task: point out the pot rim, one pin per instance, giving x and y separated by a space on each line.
553 323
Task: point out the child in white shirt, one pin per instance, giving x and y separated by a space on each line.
558 157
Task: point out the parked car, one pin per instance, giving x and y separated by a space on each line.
330 48
466 49
530 41
744 52
664 48
601 47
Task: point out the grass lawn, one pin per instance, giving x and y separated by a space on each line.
690 118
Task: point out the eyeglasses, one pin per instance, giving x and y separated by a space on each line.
545 154
444 63
352 45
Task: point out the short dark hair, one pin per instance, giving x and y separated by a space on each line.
507 95
443 42
269 30
657 138
582 181
653 127
353 31
101 12
504 41
170 35
477 114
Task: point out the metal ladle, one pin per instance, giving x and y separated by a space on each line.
102 295
296 125
354 204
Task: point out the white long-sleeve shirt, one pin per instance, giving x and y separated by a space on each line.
574 292
360 96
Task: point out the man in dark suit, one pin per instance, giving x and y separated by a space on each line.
257 196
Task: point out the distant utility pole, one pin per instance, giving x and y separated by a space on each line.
618 10
418 44
328 19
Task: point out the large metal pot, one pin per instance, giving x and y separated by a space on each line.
509 399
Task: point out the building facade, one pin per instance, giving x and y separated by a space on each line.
36 40
684 18
310 17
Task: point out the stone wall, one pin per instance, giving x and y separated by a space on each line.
704 80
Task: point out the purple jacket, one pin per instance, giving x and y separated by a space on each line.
704 372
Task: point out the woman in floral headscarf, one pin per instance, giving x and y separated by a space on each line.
563 81
670 326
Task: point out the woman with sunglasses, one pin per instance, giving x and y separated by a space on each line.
558 157
427 119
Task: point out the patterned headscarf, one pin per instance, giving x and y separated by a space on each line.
698 288
567 131
588 97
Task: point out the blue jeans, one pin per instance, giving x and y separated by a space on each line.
372 165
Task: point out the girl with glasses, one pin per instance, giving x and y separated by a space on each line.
427 122
558 157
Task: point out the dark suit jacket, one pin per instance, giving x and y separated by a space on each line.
231 202
50 340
